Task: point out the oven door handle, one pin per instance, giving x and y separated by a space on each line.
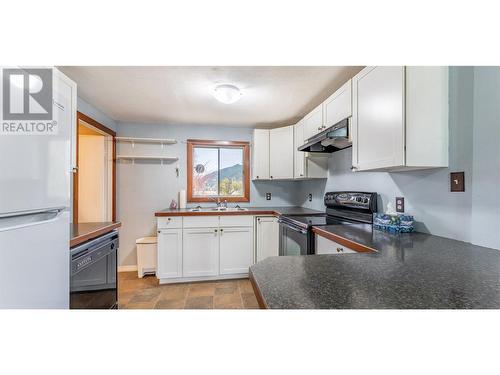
301 231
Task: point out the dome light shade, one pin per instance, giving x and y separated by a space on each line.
227 94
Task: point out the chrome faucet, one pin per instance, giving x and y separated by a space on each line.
216 200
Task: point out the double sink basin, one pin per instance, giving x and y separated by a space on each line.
218 209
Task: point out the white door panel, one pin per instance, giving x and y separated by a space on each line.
267 237
200 252
378 118
34 261
236 250
36 168
169 253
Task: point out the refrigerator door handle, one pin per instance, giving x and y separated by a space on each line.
29 219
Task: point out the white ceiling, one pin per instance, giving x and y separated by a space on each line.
272 96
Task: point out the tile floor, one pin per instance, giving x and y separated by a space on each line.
147 293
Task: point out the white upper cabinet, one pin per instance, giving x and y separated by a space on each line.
378 118
307 165
313 122
299 169
400 118
338 106
281 153
260 154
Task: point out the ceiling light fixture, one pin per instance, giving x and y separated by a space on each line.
227 94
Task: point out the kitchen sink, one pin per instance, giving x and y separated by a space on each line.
218 209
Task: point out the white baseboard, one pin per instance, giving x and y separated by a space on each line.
127 268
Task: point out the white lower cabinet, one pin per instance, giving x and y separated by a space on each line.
205 247
235 250
200 252
169 253
326 246
267 237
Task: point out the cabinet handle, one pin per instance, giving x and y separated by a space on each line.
169 218
257 176
320 128
353 168
271 176
222 230
159 231
215 230
340 250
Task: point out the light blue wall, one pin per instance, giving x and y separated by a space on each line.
486 158
95 114
148 186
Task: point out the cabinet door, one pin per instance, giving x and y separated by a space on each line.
260 152
169 253
200 252
267 237
378 124
236 250
338 106
313 122
281 153
299 169
326 246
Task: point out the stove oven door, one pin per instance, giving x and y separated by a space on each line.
295 240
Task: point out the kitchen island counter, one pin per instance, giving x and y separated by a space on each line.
406 271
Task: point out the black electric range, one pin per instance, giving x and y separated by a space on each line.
342 208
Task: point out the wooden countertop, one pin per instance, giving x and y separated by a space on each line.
82 232
277 211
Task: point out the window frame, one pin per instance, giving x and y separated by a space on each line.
245 146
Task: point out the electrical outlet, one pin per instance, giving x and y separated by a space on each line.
457 181
310 197
400 204
268 196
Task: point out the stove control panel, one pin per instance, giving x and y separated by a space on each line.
351 199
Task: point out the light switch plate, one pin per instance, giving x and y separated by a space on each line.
400 204
457 181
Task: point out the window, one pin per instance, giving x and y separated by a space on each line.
218 169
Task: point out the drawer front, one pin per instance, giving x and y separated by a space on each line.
326 246
201 221
236 221
173 222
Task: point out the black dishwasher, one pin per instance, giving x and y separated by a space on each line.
94 273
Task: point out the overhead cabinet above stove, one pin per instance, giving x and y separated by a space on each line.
400 118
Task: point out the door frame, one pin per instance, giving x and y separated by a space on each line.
98 125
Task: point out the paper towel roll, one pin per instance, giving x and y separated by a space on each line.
182 199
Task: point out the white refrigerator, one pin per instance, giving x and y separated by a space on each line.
35 199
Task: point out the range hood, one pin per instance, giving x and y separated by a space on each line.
333 139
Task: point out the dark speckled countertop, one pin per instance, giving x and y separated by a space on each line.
408 271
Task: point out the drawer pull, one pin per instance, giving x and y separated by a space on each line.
340 250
